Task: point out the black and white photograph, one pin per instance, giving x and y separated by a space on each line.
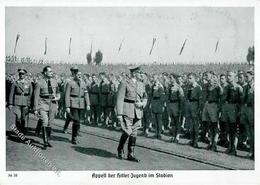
129 93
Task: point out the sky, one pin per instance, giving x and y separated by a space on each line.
107 27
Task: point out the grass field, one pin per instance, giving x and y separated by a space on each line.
11 68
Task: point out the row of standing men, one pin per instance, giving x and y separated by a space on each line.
224 109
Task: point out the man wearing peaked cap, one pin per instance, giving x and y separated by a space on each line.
20 100
134 69
76 99
21 71
131 99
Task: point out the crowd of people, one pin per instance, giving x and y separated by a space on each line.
217 109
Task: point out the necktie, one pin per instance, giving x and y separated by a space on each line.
50 90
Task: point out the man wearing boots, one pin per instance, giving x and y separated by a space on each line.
232 97
193 108
210 113
46 95
68 118
19 100
175 101
247 110
131 99
76 98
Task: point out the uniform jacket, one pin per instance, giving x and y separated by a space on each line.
175 95
248 95
105 90
213 93
194 94
94 94
129 93
111 99
233 93
21 93
76 95
41 91
158 98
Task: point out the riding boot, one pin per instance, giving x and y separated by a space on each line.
131 146
45 138
38 128
120 148
75 130
48 130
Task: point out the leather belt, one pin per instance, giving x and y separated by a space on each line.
76 96
129 101
174 101
46 96
20 94
156 98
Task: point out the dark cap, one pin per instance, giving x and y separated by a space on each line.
74 69
22 71
250 72
134 68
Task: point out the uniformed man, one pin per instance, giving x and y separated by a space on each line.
183 85
210 114
129 106
76 99
232 97
105 90
147 121
111 101
247 110
175 101
223 139
243 129
165 117
193 108
87 114
46 95
20 100
73 71
204 83
157 105
61 107
94 97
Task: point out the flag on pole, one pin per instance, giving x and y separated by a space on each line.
216 48
70 45
91 47
154 40
45 46
183 45
16 42
120 46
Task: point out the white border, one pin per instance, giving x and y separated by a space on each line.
84 177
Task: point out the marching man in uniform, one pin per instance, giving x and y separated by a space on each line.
20 98
131 99
76 98
46 95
